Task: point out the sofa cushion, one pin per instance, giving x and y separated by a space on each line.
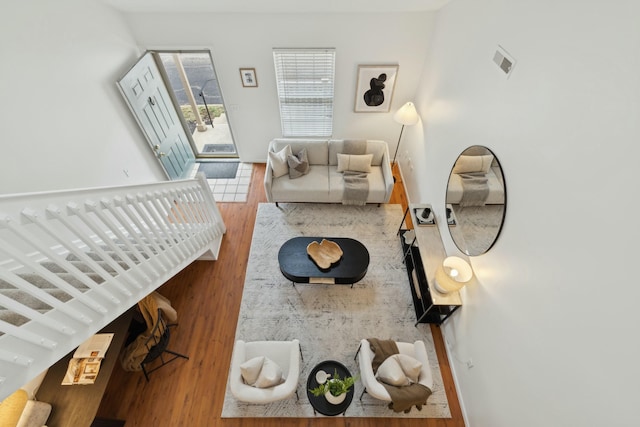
375 147
354 162
278 161
298 164
312 187
377 185
470 164
317 149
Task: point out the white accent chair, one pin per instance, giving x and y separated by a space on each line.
372 386
286 354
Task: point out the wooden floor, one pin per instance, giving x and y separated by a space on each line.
207 297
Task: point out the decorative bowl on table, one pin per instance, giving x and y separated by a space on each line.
324 253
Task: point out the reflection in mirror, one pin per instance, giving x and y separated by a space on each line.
476 200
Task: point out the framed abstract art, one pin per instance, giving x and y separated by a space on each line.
374 90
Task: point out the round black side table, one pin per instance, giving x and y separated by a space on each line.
320 403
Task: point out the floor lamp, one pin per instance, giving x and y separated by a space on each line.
406 115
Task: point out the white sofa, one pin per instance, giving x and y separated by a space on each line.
323 183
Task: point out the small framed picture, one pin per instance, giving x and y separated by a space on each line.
248 76
374 89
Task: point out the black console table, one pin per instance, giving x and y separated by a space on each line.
423 254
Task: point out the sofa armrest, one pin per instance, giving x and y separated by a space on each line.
268 178
387 174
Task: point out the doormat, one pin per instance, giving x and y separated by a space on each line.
219 170
219 148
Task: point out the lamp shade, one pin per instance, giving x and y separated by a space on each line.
453 274
407 115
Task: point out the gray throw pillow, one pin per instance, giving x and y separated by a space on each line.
298 164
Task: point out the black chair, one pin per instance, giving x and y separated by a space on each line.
157 345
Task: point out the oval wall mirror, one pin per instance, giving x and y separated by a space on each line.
476 200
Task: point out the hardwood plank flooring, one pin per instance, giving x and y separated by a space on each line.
207 297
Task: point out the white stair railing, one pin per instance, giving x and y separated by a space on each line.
73 261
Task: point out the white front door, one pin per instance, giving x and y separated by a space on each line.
150 103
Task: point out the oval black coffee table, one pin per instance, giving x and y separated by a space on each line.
297 266
320 403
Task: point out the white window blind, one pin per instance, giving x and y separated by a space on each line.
305 90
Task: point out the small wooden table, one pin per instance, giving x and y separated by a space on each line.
77 405
297 266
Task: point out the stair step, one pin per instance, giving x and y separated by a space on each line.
42 283
94 256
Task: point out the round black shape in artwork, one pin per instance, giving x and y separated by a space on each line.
375 96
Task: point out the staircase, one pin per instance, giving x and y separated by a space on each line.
73 261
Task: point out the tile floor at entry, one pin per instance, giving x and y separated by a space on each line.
230 190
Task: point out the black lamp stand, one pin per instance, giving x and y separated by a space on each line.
398 146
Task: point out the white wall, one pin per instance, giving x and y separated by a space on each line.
247 40
551 327
64 124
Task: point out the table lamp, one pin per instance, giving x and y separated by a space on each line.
453 274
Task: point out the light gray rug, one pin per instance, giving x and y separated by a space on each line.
330 320
477 226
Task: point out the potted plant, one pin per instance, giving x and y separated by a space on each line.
335 389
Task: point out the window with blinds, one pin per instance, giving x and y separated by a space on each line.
305 90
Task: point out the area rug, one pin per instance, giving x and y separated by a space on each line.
330 320
477 227
219 170
219 148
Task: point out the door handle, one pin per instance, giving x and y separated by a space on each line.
158 152
152 101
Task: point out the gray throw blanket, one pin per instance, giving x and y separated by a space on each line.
475 189
402 398
356 184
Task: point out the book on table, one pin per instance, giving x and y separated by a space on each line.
85 363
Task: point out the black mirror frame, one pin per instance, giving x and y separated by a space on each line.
504 213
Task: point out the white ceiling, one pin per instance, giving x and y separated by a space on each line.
276 6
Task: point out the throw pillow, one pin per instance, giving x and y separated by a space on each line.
354 162
470 164
399 370
298 164
278 161
390 372
410 366
270 375
250 370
